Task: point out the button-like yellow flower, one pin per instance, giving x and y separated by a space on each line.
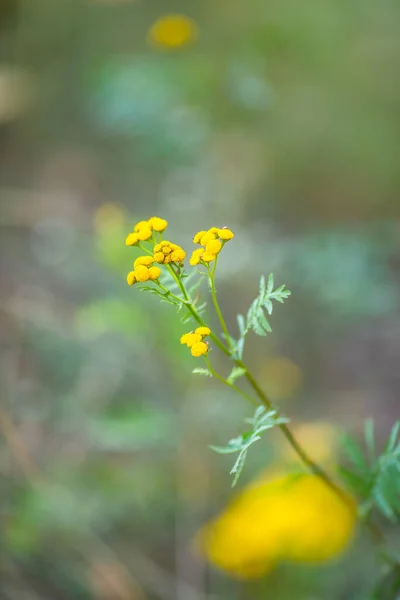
159 257
143 260
214 246
157 224
141 225
142 273
203 331
196 256
144 234
208 256
154 273
131 278
178 255
277 518
199 349
197 237
132 239
190 338
225 234
207 237
173 31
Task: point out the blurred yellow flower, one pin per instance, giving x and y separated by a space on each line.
319 439
280 377
279 517
173 31
108 216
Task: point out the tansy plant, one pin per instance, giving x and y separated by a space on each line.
159 269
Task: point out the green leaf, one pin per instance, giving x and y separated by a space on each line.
262 287
370 439
270 283
202 371
392 440
235 374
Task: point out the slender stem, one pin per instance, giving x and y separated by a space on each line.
211 274
229 384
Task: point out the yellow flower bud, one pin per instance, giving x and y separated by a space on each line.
154 273
208 256
203 331
142 273
199 349
157 224
132 239
178 255
207 237
190 339
141 225
214 246
159 257
196 256
144 234
131 278
143 260
225 234
198 236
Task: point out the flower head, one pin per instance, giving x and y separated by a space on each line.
142 273
143 260
154 273
213 246
196 256
157 224
203 331
144 234
199 349
225 234
131 278
173 31
159 257
132 239
190 339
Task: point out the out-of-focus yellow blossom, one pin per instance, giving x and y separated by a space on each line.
108 216
279 517
173 31
143 260
199 349
154 273
281 377
196 256
157 224
131 278
132 239
142 273
204 331
190 338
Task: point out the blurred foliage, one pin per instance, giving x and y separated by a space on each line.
281 120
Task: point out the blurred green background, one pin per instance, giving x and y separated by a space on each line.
282 121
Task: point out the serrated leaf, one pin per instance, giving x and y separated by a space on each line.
241 324
202 371
235 374
262 287
392 440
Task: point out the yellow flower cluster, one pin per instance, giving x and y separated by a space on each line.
165 252
212 242
279 517
143 230
143 271
172 32
194 341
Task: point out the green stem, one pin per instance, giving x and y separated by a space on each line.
229 384
211 274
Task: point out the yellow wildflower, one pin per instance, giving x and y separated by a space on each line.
132 239
196 256
159 257
154 273
143 260
225 234
157 224
131 278
144 234
173 31
190 338
276 518
213 246
207 237
203 331
166 250
178 255
199 349
142 273
208 256
141 225
197 237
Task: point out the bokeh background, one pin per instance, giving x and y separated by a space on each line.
280 119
